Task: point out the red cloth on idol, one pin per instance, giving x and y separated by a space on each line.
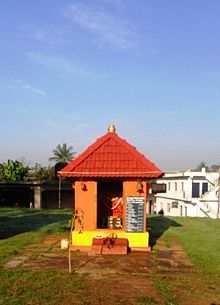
117 207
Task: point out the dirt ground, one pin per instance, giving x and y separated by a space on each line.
164 276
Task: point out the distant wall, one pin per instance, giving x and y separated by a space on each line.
15 195
50 199
42 195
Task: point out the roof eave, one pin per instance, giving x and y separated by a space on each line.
110 174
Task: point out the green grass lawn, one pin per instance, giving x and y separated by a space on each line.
200 237
23 227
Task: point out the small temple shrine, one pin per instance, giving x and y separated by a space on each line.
111 183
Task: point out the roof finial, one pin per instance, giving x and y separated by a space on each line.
111 128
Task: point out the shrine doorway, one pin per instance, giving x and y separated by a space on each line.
106 191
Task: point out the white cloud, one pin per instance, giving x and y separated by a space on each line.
123 4
46 34
25 87
107 27
60 64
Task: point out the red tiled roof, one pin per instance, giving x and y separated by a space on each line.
111 156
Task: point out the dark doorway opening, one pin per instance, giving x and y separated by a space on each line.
106 191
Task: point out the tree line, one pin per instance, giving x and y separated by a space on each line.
211 168
18 171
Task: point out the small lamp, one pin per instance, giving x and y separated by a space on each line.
83 185
140 186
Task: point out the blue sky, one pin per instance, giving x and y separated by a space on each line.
70 68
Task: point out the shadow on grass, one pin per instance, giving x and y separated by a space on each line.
158 225
11 225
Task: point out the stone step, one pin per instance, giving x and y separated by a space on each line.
109 246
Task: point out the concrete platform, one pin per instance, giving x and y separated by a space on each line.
109 246
136 241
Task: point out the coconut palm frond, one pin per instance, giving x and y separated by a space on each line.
62 154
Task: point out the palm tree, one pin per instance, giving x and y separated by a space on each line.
62 154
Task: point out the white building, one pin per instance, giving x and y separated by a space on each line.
189 193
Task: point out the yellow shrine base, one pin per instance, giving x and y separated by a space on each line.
136 241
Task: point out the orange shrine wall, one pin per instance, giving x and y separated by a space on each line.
87 201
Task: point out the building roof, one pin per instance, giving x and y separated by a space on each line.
111 156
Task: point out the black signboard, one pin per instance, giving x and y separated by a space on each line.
135 214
